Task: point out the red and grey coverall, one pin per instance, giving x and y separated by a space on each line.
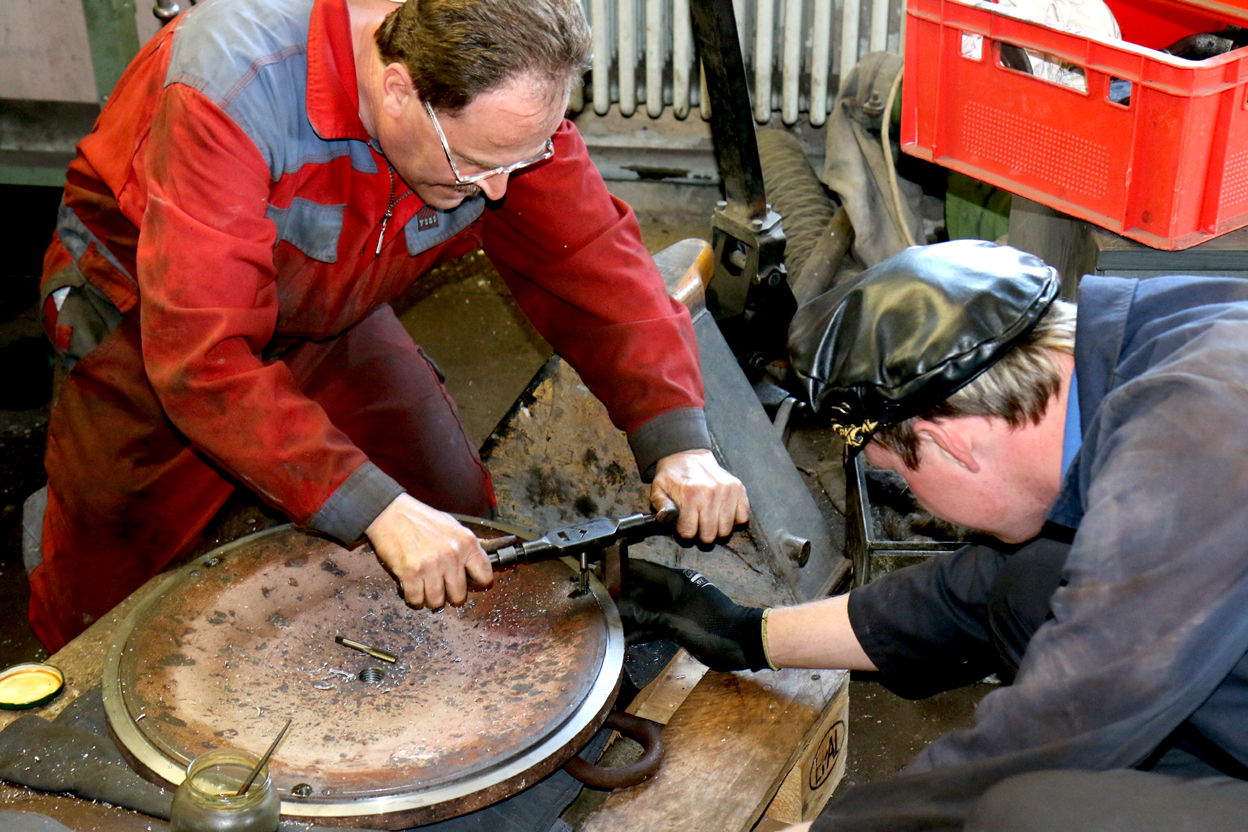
226 317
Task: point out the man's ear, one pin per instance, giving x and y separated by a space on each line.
396 89
950 438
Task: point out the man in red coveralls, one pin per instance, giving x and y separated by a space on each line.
266 176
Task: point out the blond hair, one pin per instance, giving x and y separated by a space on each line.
1017 388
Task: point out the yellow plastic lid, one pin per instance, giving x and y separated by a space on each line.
29 686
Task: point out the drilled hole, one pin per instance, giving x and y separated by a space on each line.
372 675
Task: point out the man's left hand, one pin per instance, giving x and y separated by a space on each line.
711 501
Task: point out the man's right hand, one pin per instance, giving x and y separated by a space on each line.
433 556
682 605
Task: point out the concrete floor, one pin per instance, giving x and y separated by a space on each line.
466 320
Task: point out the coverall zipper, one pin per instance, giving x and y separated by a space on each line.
389 208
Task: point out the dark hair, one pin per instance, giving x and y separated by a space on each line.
456 50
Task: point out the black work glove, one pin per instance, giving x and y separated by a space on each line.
682 605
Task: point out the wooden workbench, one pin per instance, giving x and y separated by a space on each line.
739 745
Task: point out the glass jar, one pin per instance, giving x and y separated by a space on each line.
206 800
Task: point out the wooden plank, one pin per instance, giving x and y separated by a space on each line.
660 699
75 813
771 825
806 789
1059 240
729 746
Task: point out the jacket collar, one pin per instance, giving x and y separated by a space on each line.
333 93
1100 333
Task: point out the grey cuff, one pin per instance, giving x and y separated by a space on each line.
355 505
671 433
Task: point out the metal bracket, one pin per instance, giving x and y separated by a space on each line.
861 547
749 293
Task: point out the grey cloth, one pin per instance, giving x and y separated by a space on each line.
860 171
353 507
1111 801
669 433
73 754
33 510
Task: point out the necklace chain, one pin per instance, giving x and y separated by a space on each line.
389 208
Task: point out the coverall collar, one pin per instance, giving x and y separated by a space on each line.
333 92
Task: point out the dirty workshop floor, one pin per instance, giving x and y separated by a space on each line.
464 318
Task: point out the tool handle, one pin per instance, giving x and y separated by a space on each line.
495 543
573 540
668 514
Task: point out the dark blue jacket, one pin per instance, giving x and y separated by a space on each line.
1150 628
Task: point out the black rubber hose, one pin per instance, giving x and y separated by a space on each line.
796 194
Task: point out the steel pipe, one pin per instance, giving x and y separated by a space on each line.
682 57
820 60
764 42
849 36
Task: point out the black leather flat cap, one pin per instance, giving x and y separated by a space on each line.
911 331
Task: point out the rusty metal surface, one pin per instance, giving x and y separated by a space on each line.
243 638
557 459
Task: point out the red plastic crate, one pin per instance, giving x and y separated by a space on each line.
1169 169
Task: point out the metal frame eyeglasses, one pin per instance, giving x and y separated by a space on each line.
485 174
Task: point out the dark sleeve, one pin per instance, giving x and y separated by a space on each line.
925 626
956 618
1151 620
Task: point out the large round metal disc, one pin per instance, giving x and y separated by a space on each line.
483 699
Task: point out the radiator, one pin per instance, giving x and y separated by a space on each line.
796 52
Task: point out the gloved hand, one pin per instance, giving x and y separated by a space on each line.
684 606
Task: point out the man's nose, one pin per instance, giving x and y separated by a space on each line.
494 186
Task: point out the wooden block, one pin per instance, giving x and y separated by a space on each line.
660 699
767 824
729 747
75 813
806 789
